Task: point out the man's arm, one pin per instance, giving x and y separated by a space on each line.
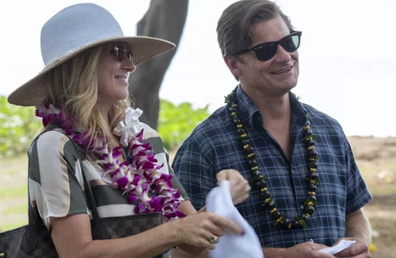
307 249
358 227
273 252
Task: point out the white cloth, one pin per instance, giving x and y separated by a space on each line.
342 245
219 201
130 127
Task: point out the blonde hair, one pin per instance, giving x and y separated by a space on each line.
73 87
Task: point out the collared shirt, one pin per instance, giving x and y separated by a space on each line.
214 146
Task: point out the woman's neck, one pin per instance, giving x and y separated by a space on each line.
104 111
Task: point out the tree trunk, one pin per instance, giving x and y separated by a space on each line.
164 19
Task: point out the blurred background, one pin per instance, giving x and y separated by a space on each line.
347 69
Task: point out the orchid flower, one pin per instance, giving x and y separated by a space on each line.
139 178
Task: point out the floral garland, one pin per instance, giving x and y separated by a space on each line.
258 180
140 180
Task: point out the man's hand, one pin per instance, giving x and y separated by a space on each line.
359 250
303 250
239 186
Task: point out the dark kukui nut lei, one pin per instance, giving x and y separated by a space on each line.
259 181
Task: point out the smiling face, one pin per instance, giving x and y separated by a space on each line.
274 77
112 76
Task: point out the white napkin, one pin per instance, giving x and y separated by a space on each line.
219 201
342 245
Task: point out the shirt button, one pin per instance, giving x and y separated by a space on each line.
302 206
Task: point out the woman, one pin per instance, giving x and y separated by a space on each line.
81 95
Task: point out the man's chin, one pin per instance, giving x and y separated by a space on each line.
286 88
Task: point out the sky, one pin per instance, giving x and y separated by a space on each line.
347 55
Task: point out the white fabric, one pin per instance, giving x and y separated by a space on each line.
219 201
54 187
342 245
131 127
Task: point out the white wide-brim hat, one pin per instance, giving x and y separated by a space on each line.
73 30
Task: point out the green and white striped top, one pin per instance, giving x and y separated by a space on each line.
56 181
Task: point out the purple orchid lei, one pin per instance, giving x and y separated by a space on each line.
140 180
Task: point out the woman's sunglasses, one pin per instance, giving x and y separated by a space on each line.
120 52
267 50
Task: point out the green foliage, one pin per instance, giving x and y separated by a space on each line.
18 126
15 210
14 225
175 123
17 192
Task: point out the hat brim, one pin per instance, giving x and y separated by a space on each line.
33 92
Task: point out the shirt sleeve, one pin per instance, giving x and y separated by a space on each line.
357 193
55 179
194 172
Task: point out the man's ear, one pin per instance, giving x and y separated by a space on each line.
233 65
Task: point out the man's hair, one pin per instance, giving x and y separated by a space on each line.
234 28
73 87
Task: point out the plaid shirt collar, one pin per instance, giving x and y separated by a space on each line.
252 115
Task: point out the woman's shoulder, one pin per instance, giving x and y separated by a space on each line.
51 141
148 132
52 136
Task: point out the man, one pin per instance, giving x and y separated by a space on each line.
307 192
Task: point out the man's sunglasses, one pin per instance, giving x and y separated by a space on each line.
120 52
267 50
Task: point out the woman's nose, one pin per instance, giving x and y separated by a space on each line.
128 65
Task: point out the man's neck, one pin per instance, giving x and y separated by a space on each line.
274 109
271 107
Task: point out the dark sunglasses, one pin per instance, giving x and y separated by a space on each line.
267 50
120 52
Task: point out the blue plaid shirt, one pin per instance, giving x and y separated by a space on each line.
214 146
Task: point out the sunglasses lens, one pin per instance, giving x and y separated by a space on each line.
291 43
119 52
266 51
129 55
